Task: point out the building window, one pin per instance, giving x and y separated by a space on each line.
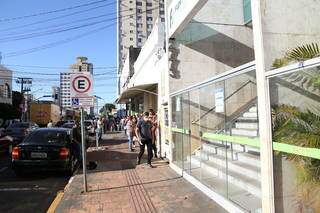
139 3
131 31
139 40
7 91
131 39
149 4
149 18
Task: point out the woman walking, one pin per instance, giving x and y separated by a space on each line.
129 130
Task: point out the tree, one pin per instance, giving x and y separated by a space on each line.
108 108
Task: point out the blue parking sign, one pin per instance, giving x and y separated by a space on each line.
75 102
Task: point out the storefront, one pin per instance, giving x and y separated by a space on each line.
246 135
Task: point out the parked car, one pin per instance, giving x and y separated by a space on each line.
6 143
46 149
60 123
71 125
18 131
68 125
89 127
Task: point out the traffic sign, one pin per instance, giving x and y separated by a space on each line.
85 102
81 84
75 102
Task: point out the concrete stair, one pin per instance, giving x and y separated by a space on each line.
239 164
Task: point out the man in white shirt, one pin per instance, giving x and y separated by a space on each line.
99 128
50 124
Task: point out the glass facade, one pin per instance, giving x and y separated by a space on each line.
215 130
295 101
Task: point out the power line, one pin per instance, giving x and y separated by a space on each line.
50 12
33 35
70 39
55 18
53 67
59 30
56 25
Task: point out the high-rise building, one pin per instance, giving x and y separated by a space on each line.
80 66
5 85
136 20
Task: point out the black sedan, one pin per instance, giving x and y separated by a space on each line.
46 149
18 131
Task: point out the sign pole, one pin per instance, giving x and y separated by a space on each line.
83 143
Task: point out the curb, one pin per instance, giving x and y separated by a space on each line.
59 197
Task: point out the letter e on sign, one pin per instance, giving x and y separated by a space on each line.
81 84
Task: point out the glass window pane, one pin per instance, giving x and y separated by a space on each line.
295 101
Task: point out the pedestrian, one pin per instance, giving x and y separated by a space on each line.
144 135
76 143
99 128
134 126
153 118
129 128
50 124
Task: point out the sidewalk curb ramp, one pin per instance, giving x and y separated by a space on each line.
59 197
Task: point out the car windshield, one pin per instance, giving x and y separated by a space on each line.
43 137
68 125
87 123
19 125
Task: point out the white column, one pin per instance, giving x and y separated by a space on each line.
266 155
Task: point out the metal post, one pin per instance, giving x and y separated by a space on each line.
84 169
97 138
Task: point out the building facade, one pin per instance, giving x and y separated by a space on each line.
136 20
5 85
237 107
140 76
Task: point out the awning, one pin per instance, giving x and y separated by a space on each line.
136 90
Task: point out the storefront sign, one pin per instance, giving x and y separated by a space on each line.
182 11
219 100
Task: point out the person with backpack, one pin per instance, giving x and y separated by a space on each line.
144 135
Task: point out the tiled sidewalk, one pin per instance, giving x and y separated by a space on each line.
118 185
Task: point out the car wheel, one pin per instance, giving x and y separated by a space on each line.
18 172
71 168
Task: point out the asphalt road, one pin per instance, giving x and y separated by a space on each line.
31 193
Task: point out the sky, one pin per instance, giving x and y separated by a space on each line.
30 24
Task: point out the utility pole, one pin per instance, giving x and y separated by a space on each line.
23 82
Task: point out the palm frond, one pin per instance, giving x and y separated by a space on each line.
303 52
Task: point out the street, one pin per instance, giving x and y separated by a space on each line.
30 193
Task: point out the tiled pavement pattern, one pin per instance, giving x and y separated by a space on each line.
119 186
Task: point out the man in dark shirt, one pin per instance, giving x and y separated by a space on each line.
144 135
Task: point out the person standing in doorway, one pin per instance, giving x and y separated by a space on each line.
144 135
